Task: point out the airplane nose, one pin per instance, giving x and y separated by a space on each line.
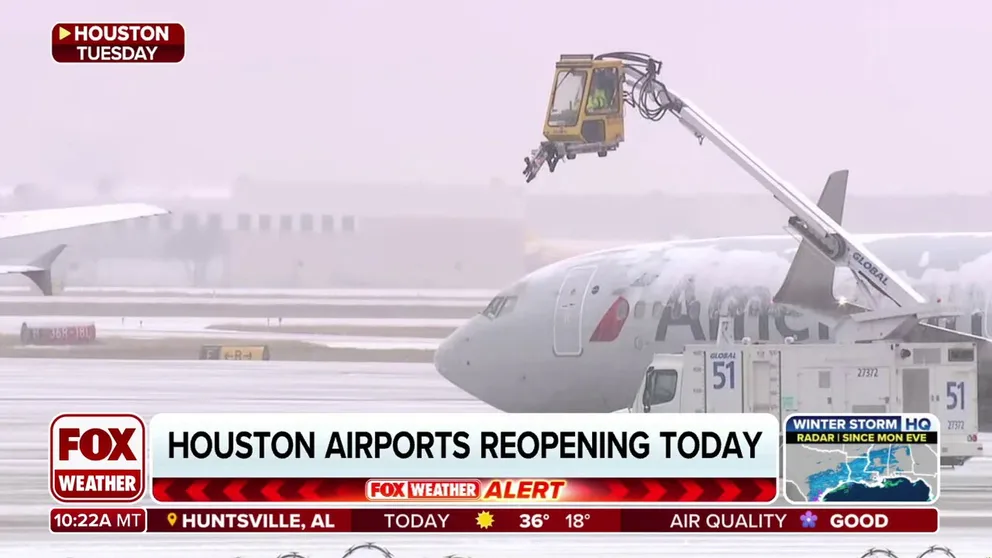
442 358
452 362
475 359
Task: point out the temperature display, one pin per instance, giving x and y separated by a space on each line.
604 520
533 520
577 520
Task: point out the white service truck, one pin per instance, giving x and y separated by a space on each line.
781 379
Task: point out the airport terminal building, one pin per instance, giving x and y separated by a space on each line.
282 235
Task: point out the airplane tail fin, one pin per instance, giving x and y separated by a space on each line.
39 271
46 260
42 274
810 280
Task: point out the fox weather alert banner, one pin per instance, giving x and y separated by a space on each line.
398 458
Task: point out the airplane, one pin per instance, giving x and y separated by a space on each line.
577 335
23 223
539 251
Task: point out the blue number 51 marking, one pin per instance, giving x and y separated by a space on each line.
955 395
723 374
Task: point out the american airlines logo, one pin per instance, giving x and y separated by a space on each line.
681 315
741 303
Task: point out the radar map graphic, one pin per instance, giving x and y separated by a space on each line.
861 466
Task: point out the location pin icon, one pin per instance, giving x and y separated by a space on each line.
172 519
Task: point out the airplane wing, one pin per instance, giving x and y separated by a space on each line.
21 223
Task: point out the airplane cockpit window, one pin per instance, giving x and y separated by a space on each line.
493 308
511 302
499 306
660 387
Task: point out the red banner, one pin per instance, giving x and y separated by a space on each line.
588 490
118 42
495 520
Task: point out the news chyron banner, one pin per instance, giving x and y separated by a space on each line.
395 458
118 42
430 473
862 459
463 519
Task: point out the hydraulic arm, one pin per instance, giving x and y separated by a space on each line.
642 89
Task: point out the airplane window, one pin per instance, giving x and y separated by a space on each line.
639 310
511 301
495 305
656 309
622 310
661 386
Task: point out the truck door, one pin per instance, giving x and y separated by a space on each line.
693 381
867 389
956 400
568 311
661 388
819 390
724 389
762 382
916 390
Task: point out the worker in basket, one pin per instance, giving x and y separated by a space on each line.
604 90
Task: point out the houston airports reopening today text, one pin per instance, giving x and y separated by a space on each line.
483 467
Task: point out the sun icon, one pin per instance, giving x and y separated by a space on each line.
484 520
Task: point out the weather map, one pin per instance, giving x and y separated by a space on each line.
862 458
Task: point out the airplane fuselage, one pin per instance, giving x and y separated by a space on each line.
582 331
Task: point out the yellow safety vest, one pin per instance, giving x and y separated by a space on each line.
597 100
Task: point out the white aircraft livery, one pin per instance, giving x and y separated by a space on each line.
23 223
577 335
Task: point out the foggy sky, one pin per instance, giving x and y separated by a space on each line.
450 92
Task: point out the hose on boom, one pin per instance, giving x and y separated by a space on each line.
648 95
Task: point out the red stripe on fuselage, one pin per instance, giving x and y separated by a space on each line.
611 324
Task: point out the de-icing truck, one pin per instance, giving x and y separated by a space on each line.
781 379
